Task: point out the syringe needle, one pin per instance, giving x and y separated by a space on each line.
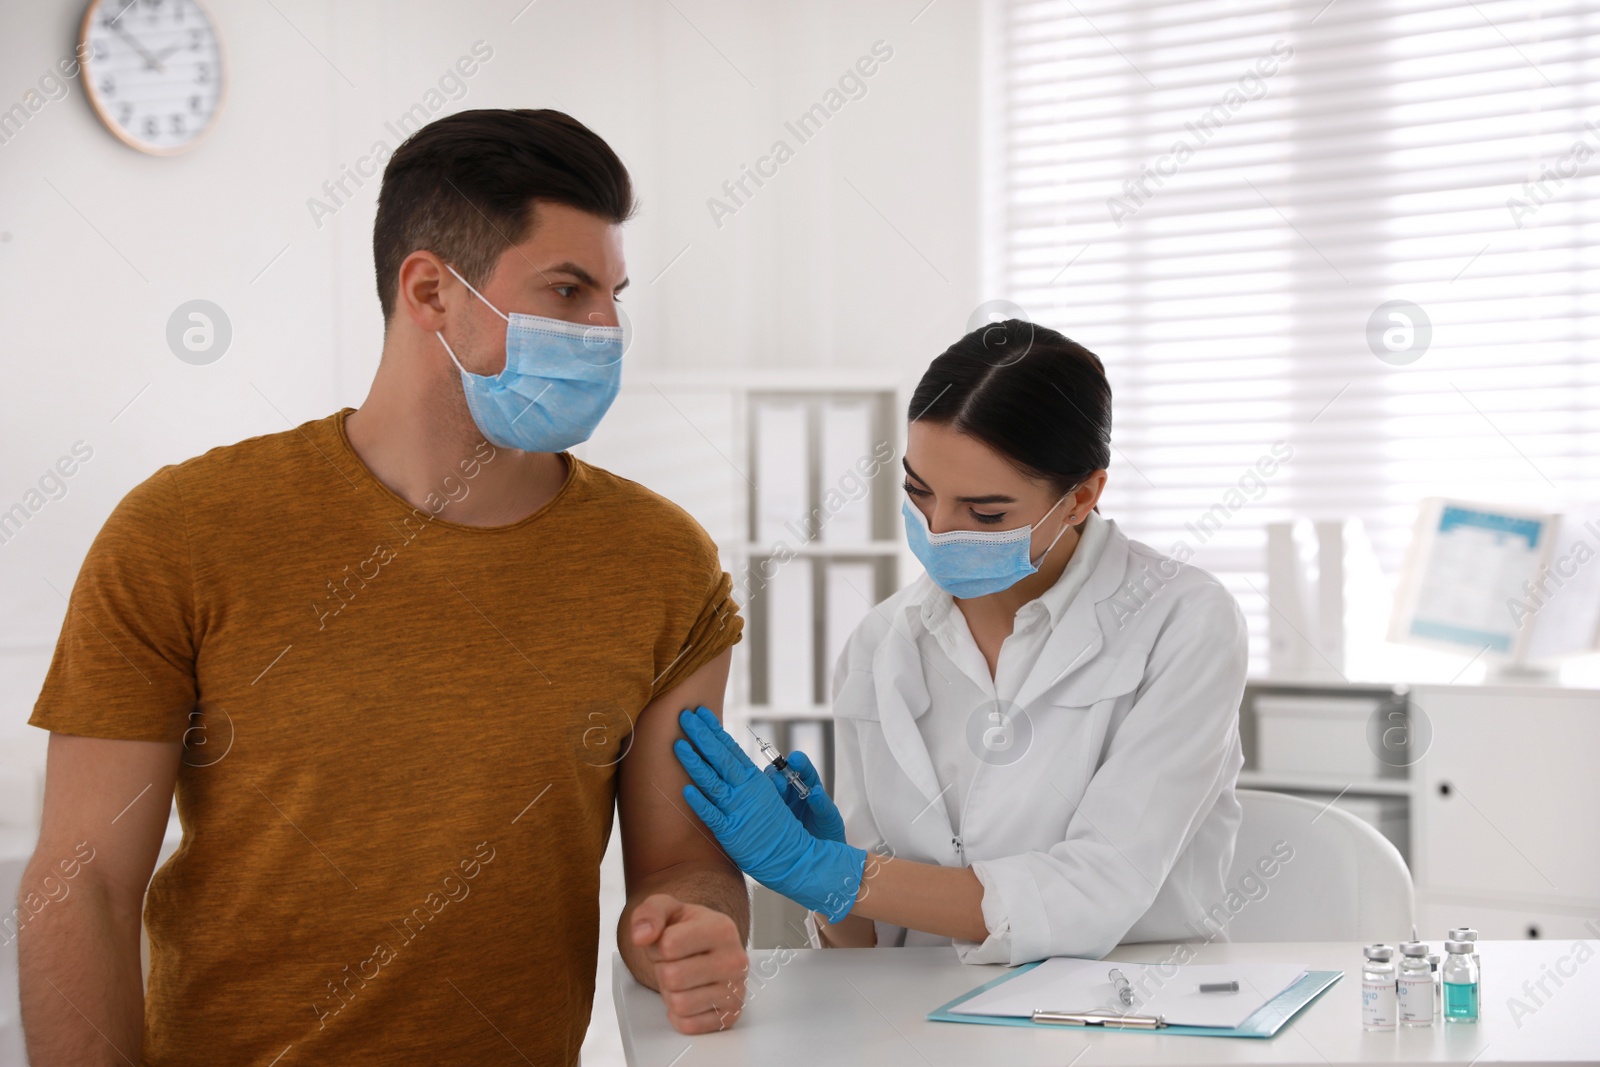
771 754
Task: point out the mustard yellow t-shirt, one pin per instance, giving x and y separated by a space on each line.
401 743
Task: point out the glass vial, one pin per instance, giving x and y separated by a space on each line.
1460 973
1414 989
1378 988
1438 985
1467 933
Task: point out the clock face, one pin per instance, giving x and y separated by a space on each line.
153 71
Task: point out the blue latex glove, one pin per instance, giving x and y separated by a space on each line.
817 812
757 829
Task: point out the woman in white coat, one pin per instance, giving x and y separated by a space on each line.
1037 741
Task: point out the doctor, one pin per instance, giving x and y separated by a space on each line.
1037 742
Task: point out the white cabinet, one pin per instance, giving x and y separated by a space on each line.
1509 922
1489 791
1507 803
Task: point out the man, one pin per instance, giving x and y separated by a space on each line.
398 663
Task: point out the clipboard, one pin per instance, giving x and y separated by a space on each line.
1266 1021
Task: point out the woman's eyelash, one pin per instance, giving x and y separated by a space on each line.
988 520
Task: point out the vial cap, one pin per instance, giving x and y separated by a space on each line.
1413 948
1463 933
1458 946
1379 952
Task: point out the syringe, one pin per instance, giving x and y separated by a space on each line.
775 758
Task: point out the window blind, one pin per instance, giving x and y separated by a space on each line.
1364 228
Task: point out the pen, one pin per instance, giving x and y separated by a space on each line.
1219 987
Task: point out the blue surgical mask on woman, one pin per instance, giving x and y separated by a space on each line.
559 380
974 563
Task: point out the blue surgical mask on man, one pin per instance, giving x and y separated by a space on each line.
559 380
974 563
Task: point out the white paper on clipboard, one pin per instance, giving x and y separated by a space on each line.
1168 990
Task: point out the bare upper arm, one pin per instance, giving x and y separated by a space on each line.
658 829
113 796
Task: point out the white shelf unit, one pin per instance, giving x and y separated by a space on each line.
1330 784
761 459
1491 800
1316 740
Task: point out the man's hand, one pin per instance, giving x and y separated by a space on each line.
699 961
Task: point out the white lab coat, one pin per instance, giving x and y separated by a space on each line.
1118 823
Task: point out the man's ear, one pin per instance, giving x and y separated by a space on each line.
421 290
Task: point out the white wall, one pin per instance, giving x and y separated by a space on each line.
862 251
98 244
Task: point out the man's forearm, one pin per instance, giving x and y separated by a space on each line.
81 988
715 886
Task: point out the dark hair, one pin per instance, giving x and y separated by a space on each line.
1031 394
464 188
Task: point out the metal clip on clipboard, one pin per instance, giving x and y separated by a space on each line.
1096 1017
1108 1019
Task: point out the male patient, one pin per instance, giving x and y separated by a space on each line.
398 664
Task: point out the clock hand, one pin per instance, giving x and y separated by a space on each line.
150 60
165 52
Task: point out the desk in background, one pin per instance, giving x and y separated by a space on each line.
835 1007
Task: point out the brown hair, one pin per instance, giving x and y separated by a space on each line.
464 187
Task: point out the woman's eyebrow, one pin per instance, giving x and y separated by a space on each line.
992 498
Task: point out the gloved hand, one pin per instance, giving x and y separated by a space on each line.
757 829
817 812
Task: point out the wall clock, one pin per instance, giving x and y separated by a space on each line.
153 71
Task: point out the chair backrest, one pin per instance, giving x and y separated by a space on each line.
1306 871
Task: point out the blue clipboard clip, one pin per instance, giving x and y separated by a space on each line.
1108 1019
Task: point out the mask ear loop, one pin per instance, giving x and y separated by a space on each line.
480 296
1052 511
477 294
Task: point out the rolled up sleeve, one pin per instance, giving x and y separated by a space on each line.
1167 762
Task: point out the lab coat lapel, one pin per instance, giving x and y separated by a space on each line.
902 694
1078 638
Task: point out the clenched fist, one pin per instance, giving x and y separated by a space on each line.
698 959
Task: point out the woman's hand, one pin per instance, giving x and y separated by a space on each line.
757 828
817 812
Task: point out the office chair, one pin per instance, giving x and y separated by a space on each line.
1344 881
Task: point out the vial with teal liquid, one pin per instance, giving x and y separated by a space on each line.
1460 974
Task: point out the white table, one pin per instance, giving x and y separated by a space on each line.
868 1006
